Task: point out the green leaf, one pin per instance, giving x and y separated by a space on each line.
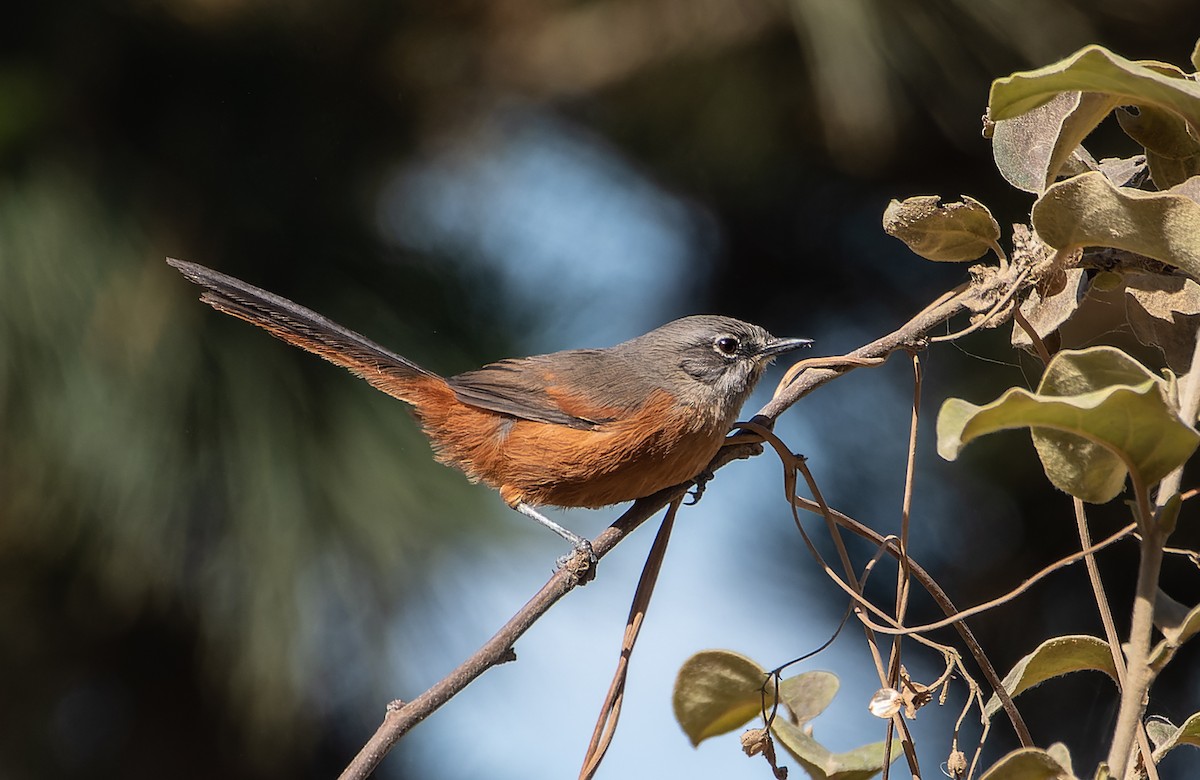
1163 311
1158 130
1054 658
1087 210
808 694
1062 756
1030 149
1173 154
820 764
1096 69
1166 737
1097 413
949 233
1177 623
1027 764
1196 56
717 691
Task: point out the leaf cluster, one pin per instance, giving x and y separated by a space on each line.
1106 419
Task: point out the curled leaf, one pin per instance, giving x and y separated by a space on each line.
1177 623
1054 658
1097 414
1096 69
1162 312
1028 764
1166 737
1172 152
1087 210
950 233
821 764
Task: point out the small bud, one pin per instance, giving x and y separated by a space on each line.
885 703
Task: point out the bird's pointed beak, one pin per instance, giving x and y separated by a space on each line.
780 346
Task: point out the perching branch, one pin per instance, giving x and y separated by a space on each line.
402 716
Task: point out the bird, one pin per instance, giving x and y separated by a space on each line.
577 428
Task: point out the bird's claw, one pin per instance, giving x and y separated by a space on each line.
699 482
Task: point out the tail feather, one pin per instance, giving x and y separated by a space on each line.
304 328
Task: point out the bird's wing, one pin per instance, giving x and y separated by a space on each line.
536 389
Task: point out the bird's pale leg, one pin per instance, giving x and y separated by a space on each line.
578 542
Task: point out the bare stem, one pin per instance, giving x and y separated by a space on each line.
1140 674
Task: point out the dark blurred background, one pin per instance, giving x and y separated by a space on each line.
220 557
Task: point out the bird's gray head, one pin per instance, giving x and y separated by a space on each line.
710 361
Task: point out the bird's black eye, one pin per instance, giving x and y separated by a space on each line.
727 345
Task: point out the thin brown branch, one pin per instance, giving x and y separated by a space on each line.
988 319
1061 563
909 336
903 576
610 712
401 718
942 599
1038 344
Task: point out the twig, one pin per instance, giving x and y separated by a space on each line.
991 313
1061 563
1038 344
911 335
610 712
902 573
927 581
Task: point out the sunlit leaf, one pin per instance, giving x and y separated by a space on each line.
1162 312
819 763
1097 413
1087 210
1027 764
1096 69
1030 149
1062 756
950 232
1177 623
1166 737
1054 658
1172 152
